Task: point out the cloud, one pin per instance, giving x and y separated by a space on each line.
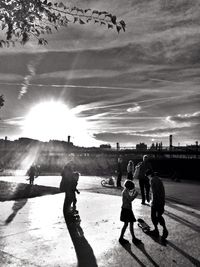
185 118
134 109
31 67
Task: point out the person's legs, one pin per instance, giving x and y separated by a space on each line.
121 239
147 189
161 220
134 239
154 219
119 178
141 183
123 230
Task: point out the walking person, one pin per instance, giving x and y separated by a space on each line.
119 172
144 184
130 170
32 173
127 216
157 204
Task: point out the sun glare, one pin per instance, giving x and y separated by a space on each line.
53 120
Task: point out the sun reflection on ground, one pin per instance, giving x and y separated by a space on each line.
50 215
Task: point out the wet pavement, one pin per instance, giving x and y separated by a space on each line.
33 232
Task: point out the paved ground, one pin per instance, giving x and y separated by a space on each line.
33 231
185 192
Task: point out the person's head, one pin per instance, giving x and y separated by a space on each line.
145 157
129 185
130 162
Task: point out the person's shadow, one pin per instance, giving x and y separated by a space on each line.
84 251
18 204
141 247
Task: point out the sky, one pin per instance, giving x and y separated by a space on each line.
101 87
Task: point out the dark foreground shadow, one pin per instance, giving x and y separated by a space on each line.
183 221
186 255
19 204
182 209
84 251
141 247
127 247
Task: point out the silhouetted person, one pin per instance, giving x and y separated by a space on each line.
74 189
130 170
128 195
119 172
32 173
68 185
157 204
144 166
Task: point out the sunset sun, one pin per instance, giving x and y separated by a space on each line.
51 120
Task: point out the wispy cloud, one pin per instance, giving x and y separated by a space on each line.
31 68
185 118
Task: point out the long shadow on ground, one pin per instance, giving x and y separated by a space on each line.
19 204
14 191
84 251
184 254
141 247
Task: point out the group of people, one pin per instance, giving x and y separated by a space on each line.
147 179
140 171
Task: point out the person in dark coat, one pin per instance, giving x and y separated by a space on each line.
130 170
32 173
144 184
119 172
68 185
157 204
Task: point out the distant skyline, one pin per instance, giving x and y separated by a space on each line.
100 87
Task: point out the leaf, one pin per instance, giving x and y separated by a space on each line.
118 28
109 15
88 20
86 10
103 13
95 12
81 21
75 19
79 10
3 26
113 19
123 24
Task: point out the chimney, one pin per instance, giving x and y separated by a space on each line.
170 141
118 147
68 139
